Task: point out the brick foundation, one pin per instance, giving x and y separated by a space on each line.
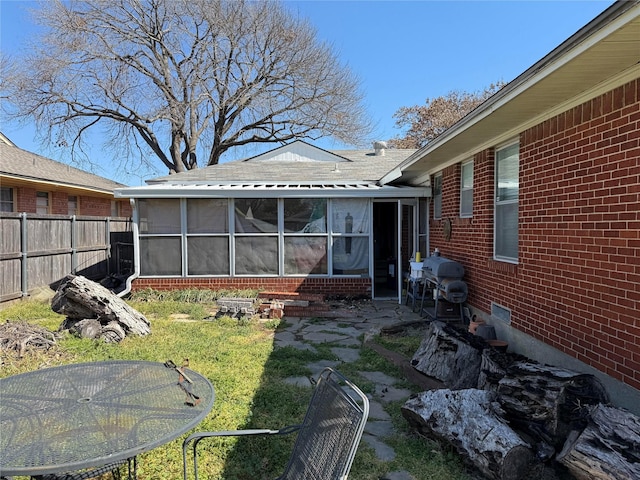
331 287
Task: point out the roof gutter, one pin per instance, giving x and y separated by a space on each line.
576 44
248 190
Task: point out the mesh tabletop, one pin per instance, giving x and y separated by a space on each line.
87 415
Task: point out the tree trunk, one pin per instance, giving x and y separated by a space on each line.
607 449
112 332
471 420
493 367
548 402
79 298
450 355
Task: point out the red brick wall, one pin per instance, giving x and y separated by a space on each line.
124 208
577 283
332 287
26 200
95 206
59 203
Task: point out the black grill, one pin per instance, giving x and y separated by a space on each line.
443 280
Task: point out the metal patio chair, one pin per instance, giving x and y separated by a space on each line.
327 438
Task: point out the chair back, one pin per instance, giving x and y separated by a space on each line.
331 431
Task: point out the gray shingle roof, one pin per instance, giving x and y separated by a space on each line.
334 166
18 163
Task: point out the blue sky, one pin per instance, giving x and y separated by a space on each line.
402 51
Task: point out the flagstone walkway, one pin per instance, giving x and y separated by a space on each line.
346 335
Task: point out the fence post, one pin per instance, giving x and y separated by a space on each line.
24 281
107 242
74 249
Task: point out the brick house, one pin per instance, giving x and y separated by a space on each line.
537 194
31 183
56 220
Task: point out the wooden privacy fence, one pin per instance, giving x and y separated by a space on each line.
40 250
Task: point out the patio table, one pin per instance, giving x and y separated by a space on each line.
87 415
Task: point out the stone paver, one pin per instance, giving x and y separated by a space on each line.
379 429
377 411
391 394
320 337
398 475
299 381
347 355
383 451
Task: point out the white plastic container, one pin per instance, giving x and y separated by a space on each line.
416 270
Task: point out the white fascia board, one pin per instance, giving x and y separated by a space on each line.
331 191
391 176
56 184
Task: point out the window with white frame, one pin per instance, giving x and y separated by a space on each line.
507 186
256 236
423 226
350 236
6 199
262 237
466 189
437 196
160 236
72 205
208 236
305 236
42 203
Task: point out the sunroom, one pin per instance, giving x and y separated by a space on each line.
298 218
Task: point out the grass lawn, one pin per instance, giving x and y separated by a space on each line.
248 373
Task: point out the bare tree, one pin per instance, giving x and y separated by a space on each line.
185 78
426 122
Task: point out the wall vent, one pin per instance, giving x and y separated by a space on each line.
501 313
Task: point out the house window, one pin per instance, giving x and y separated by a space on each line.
506 206
256 236
423 226
72 205
114 208
466 189
350 236
160 239
208 236
42 203
247 237
6 199
160 256
437 196
305 236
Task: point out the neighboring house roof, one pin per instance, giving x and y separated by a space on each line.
295 169
603 54
6 140
297 162
21 165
